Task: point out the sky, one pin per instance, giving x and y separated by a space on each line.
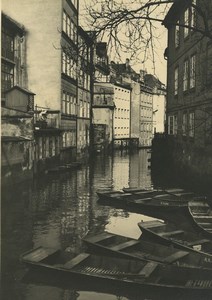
160 63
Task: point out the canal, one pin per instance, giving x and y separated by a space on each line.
58 211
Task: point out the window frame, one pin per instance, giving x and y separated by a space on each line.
192 72
191 122
176 80
185 75
186 22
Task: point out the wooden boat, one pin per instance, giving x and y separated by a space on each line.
146 200
123 272
170 234
159 203
201 214
139 189
144 194
120 246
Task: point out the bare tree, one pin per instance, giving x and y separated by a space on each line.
131 26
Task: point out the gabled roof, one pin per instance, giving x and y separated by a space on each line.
152 81
12 24
24 90
122 68
173 14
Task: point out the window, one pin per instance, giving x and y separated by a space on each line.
64 65
64 103
193 14
7 73
176 80
7 42
69 27
185 76
177 35
186 22
69 66
68 103
184 124
192 71
175 124
191 124
172 125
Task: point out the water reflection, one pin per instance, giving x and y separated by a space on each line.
58 211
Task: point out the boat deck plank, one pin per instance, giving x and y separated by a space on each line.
147 270
124 245
99 237
175 256
151 224
75 261
39 254
170 233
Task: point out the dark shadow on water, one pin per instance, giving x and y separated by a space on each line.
74 287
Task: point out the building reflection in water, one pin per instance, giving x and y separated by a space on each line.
59 210
139 169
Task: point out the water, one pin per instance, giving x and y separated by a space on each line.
58 211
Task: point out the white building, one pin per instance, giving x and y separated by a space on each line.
122 101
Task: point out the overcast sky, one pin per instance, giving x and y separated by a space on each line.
160 63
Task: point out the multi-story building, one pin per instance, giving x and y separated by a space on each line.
140 106
17 138
159 103
121 120
189 85
85 67
103 99
13 61
52 53
146 116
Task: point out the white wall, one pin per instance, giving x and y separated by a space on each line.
43 21
121 124
159 107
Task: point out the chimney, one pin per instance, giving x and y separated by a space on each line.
142 74
127 63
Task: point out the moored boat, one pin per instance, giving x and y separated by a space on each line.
162 203
140 189
120 246
201 214
154 200
170 234
124 272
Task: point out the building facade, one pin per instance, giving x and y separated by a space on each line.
85 90
146 116
140 106
13 61
52 53
103 99
103 111
189 85
159 103
121 119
